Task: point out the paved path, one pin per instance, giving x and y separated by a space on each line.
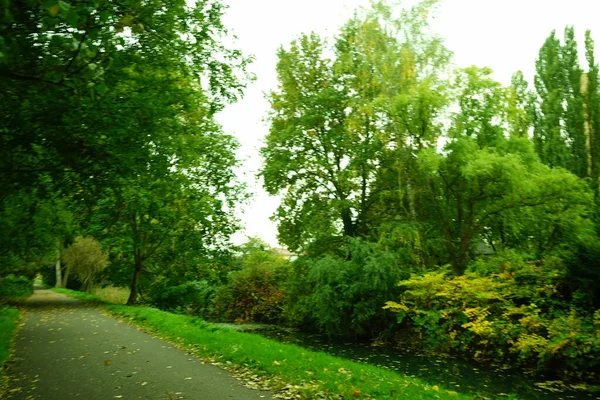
66 349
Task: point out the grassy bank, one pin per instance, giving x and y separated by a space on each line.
79 295
285 368
9 316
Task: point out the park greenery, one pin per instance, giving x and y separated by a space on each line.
270 365
428 205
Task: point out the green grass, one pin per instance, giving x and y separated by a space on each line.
9 316
312 374
111 294
79 295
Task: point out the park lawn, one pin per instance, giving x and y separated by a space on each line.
282 367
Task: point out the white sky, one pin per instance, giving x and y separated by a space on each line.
503 34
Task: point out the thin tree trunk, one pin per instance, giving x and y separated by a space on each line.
65 280
349 228
587 125
136 278
57 268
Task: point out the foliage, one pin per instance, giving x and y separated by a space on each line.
501 193
86 258
255 291
15 288
30 228
195 297
135 86
505 310
339 129
343 295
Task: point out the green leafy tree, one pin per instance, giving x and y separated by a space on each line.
549 83
339 125
86 259
106 99
521 106
172 217
591 95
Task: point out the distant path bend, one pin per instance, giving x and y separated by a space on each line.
66 349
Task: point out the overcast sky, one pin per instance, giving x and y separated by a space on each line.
502 34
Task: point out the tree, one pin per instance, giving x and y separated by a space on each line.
521 103
560 128
488 184
591 96
105 99
502 193
176 214
336 122
85 258
550 85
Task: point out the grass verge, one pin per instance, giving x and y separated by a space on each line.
79 295
290 370
9 317
111 294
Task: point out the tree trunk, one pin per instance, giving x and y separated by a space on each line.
65 279
136 278
349 228
58 269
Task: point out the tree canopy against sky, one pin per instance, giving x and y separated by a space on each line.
118 99
377 134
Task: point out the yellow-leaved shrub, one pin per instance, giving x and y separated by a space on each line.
514 315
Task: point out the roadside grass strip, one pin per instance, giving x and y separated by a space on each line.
286 368
9 317
79 295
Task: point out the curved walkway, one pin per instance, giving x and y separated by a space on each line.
66 349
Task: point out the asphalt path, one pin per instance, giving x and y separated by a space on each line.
66 349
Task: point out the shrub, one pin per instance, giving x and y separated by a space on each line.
15 288
346 294
86 258
252 294
194 297
516 314
255 291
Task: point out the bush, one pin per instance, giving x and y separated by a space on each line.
346 294
86 259
15 288
253 294
194 297
516 314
